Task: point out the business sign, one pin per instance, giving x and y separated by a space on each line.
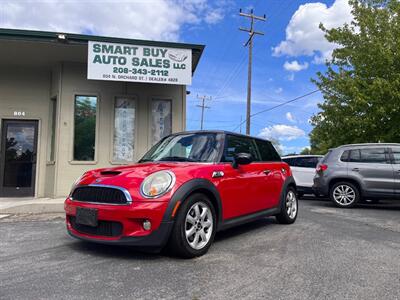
125 62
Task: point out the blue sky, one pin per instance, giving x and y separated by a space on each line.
284 60
272 83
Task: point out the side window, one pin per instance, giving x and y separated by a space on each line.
345 156
85 115
295 162
373 155
267 151
238 144
354 156
368 155
308 162
396 154
161 119
288 161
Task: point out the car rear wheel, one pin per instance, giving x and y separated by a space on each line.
289 208
194 228
344 194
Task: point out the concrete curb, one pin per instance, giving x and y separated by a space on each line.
34 206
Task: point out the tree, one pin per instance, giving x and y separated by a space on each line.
306 151
277 145
361 86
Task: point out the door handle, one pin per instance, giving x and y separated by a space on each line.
356 169
266 172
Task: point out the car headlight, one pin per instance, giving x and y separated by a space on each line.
157 184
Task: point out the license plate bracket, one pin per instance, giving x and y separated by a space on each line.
86 216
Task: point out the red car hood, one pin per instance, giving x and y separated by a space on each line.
131 177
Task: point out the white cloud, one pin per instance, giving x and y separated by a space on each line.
295 66
279 90
156 19
303 36
282 132
290 117
290 77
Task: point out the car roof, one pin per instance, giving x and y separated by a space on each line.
220 132
302 156
366 145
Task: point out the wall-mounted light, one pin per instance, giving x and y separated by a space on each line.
62 37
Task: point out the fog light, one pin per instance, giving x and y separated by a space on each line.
146 225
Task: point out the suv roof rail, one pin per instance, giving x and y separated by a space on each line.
369 144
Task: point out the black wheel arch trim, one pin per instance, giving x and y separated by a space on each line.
289 181
349 179
190 187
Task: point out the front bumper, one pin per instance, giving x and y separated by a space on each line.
128 221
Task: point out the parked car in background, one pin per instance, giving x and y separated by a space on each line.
352 173
303 169
186 188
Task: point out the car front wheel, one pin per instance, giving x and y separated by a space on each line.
344 194
289 208
194 228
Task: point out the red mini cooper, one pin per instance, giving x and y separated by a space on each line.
186 188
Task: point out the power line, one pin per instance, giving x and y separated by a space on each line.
249 43
279 105
202 106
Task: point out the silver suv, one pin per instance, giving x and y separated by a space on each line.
352 173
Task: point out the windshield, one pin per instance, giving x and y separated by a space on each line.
190 147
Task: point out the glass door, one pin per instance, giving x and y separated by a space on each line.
18 158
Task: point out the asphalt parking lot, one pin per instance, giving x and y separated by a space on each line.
328 253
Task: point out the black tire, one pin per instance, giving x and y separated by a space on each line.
352 190
283 217
178 244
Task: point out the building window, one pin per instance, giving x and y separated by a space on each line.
161 119
52 129
124 129
85 128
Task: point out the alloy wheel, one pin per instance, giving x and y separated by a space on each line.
198 225
344 195
291 204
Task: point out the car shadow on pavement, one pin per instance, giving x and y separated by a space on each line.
245 228
382 205
114 251
132 253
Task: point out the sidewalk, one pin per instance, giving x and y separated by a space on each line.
31 205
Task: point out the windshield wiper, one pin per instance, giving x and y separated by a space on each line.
144 160
177 158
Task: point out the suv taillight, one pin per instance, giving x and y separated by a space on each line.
321 168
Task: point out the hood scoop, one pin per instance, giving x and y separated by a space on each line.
110 173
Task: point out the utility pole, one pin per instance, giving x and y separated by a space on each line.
202 106
249 43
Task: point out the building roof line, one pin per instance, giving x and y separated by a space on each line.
83 39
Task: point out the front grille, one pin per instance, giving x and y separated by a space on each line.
103 228
99 194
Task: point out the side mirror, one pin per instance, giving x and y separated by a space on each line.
242 159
